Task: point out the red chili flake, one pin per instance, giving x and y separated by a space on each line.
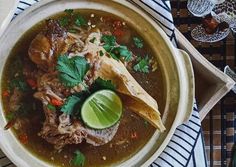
134 135
56 102
6 93
23 138
107 19
118 32
10 124
32 83
117 24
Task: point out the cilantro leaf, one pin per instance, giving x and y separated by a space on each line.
101 53
51 107
124 52
72 70
80 21
69 11
116 52
138 42
143 65
109 40
100 83
73 103
19 83
79 159
64 21
69 106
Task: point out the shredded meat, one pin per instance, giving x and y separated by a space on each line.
61 129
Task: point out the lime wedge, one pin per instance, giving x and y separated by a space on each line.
102 109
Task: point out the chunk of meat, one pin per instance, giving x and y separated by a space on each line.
68 132
47 45
15 100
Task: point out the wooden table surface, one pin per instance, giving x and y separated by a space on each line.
220 124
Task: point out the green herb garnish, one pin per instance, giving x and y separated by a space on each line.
101 53
80 21
138 42
64 21
72 70
116 52
143 65
69 11
72 30
19 83
10 116
109 40
122 51
51 107
92 40
79 159
74 102
100 83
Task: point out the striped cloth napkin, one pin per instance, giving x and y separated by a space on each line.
186 147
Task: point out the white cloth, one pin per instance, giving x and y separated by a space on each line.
186 147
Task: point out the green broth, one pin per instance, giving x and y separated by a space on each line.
130 122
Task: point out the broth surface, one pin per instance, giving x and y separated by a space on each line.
123 145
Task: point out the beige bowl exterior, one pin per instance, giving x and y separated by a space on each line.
175 65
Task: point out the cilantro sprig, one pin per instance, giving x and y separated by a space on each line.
79 159
19 83
71 18
74 102
142 65
72 70
116 51
138 42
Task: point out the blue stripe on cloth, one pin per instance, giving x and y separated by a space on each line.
176 155
162 159
176 145
155 165
22 2
181 154
161 5
183 139
179 129
186 139
173 157
194 160
190 128
20 8
156 11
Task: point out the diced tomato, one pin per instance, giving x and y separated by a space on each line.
56 102
118 32
10 124
32 83
23 138
6 93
